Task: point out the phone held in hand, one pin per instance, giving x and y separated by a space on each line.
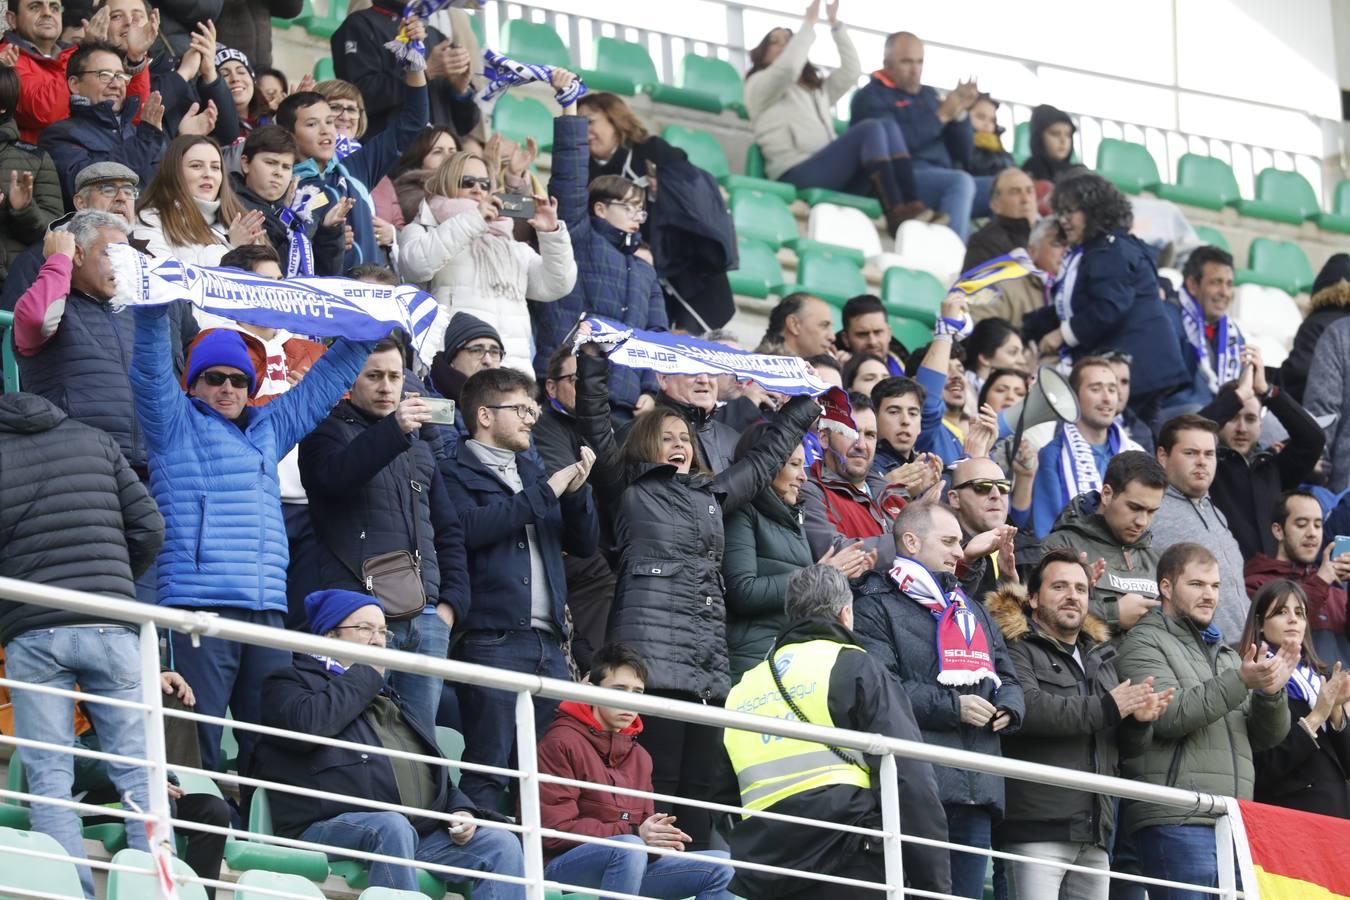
1342 545
516 206
442 410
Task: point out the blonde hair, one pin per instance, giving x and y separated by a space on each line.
337 89
444 182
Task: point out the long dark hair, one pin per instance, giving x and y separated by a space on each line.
420 147
643 443
810 78
1104 206
1271 599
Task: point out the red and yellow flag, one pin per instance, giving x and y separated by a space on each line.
1297 855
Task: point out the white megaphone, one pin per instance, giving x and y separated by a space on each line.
1050 399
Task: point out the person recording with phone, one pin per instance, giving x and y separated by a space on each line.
460 248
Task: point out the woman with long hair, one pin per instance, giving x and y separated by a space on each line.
992 344
462 249
791 108
426 152
189 211
249 104
1310 767
664 510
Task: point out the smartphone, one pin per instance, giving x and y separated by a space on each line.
516 206
442 410
1342 545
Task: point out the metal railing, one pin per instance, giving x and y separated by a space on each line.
530 827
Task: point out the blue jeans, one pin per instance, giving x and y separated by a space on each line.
391 834
105 661
972 826
490 716
428 635
842 164
1183 853
959 194
224 674
629 872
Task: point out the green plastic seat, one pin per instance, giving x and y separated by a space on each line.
702 149
536 43
1280 264
476 25
357 876
9 367
245 856
1281 197
869 205
1128 166
29 873
1212 237
761 216
305 11
1202 181
755 180
714 77
759 274
754 162
521 118
13 814
620 68
323 25
291 885
1338 219
145 886
450 742
1022 143
834 277
911 294
911 333
112 835
323 69
384 893
229 747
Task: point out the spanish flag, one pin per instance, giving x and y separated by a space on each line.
1296 855
1002 268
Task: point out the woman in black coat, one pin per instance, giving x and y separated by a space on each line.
1308 770
664 511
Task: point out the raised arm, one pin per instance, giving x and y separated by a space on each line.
161 406
767 86
597 429
304 406
741 481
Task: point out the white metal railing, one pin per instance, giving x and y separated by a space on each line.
530 827
1166 144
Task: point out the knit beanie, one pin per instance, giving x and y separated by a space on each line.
220 347
1337 269
464 328
327 609
229 54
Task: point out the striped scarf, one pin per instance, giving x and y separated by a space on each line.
1078 466
962 646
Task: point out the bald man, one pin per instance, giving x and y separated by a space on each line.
1012 200
979 496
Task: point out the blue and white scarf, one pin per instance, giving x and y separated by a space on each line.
331 307
1305 683
411 54
1061 292
300 255
504 73
1229 343
344 147
310 169
332 666
1078 466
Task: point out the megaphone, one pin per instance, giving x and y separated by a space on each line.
1050 399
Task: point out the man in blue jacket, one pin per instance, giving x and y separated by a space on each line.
517 525
213 472
339 700
938 132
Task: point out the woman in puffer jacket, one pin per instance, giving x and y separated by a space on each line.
461 249
663 509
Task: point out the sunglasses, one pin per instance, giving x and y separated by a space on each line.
468 181
216 379
983 486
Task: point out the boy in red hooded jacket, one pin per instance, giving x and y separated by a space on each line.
598 744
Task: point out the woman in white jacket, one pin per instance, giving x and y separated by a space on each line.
188 211
791 110
461 249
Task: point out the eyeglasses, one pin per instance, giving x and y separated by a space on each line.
562 379
526 413
106 75
216 379
983 486
344 109
110 191
468 182
478 351
366 631
636 213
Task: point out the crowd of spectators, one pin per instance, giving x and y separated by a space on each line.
1154 589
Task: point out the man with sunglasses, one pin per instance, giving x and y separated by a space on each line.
979 496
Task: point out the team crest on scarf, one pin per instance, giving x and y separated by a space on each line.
962 646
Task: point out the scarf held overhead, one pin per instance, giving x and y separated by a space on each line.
962 646
326 306
503 73
678 354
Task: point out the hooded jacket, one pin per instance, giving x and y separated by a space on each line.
326 242
21 227
901 636
576 746
948 146
1130 568
1039 165
1071 721
1204 740
94 133
1330 302
72 513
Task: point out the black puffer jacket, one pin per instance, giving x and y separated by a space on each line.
668 528
72 513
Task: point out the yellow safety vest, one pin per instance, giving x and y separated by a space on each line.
770 768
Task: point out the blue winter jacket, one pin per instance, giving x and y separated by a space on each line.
94 133
610 282
934 435
950 145
216 481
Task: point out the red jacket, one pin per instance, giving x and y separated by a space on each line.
1326 602
45 96
575 747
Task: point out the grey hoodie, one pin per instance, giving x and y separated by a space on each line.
1180 520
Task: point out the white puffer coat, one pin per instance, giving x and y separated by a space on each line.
441 258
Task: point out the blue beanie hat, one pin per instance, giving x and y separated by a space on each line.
220 347
327 609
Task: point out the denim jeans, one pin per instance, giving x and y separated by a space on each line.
628 871
225 674
490 716
959 194
1184 853
842 164
105 661
428 635
972 826
391 834
1027 881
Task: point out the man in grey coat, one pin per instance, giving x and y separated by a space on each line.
1328 394
1188 451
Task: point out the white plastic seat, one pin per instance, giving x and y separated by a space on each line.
934 249
848 227
1172 275
1269 318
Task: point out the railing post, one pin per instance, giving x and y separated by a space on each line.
890 823
528 760
153 698
1223 852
